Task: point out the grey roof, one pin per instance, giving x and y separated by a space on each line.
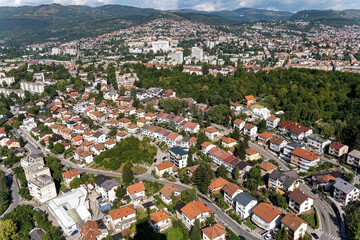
355 153
295 145
179 150
343 185
242 164
244 198
100 180
36 234
109 184
288 177
318 138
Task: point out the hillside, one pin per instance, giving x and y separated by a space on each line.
23 25
329 17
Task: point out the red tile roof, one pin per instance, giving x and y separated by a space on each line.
266 212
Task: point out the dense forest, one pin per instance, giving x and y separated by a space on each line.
327 101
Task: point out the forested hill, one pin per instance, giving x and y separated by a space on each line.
329 101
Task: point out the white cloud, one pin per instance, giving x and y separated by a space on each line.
157 4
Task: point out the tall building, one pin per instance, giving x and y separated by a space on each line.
41 185
160 46
197 53
178 156
32 87
177 56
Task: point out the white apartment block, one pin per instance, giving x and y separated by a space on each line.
197 53
32 87
7 80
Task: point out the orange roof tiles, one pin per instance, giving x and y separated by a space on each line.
217 183
136 188
231 188
251 151
122 212
193 209
272 118
228 140
70 173
292 221
249 98
159 216
267 166
266 211
265 135
168 190
215 231
90 230
305 154
165 165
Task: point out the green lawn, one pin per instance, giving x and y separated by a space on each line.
152 187
248 223
311 219
174 234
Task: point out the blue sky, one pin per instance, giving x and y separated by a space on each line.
205 5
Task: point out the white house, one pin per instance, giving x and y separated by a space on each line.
230 191
167 191
238 123
160 221
277 143
70 175
106 187
300 202
250 130
345 192
122 217
214 232
194 210
295 226
178 156
317 142
136 191
266 216
244 204
272 121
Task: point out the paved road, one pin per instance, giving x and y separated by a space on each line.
329 224
14 188
220 215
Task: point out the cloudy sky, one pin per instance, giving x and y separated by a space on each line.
205 5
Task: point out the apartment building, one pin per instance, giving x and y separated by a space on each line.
178 156
304 159
345 192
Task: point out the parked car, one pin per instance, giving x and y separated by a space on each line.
315 235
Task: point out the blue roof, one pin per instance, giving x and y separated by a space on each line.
179 150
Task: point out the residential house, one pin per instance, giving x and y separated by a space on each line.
70 210
286 151
110 144
264 138
166 167
136 191
106 187
283 182
238 123
272 122
300 132
167 191
345 192
222 157
267 168
178 156
304 159
266 216
295 226
249 100
353 158
277 143
94 230
244 204
217 184
83 155
337 149
317 143
212 133
120 136
132 128
228 142
69 176
214 232
32 159
231 190
194 210
122 217
252 154
300 202
190 127
98 148
99 137
326 179
250 130
160 220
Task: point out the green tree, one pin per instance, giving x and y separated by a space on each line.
236 134
59 148
282 234
75 183
8 230
237 173
221 171
202 177
149 108
120 192
122 90
195 233
188 195
127 175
